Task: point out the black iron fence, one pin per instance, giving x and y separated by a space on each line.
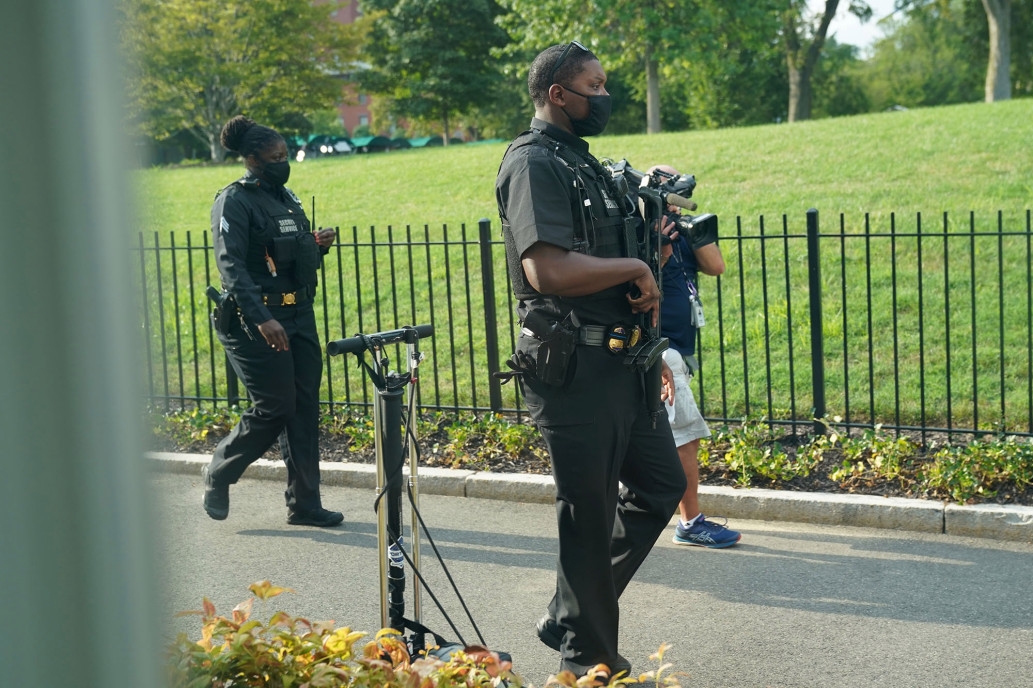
920 325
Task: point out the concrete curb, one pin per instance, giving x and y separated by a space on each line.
1001 522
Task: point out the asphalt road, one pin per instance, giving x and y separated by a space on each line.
791 605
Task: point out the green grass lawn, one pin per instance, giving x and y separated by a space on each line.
882 172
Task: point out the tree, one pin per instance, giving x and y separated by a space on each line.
740 79
199 62
997 31
936 54
998 67
803 37
432 58
630 37
838 85
654 47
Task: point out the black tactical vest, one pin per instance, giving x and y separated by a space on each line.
604 228
283 230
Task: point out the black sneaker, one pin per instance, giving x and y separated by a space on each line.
549 632
603 672
216 497
321 518
620 667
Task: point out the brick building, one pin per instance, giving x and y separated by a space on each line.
354 106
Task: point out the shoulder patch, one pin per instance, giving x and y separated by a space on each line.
223 225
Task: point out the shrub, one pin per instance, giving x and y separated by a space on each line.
292 652
979 469
191 428
873 456
750 453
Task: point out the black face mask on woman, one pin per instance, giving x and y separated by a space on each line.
276 173
598 115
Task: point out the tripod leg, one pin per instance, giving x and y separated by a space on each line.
414 485
387 424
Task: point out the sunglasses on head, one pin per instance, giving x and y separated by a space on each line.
563 56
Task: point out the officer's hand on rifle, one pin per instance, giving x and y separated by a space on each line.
648 300
274 334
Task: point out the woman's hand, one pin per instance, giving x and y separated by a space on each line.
325 237
274 334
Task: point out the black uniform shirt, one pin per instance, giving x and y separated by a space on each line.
250 218
541 189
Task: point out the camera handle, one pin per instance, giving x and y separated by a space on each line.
679 201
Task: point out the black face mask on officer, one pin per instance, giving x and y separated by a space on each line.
595 121
276 173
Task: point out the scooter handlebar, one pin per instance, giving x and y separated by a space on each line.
359 342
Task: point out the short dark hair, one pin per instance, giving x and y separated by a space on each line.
538 81
243 136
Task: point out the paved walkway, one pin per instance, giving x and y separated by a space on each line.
795 604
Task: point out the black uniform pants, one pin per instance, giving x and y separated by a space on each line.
599 434
284 391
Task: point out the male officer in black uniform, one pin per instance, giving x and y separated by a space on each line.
579 290
268 259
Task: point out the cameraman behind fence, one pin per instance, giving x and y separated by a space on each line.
694 250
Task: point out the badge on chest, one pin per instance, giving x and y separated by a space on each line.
287 225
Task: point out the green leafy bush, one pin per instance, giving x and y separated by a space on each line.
478 442
289 652
874 456
357 428
191 428
979 469
751 453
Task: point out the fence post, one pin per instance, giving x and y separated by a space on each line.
491 334
817 338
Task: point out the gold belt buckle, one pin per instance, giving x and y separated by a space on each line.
289 299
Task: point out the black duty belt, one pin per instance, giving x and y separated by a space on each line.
291 298
615 338
592 335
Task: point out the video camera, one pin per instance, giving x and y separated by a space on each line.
664 189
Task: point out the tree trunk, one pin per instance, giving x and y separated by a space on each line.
799 95
446 136
652 95
215 147
998 67
801 59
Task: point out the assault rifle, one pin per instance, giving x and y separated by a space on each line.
653 196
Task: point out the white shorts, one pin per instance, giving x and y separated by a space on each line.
686 421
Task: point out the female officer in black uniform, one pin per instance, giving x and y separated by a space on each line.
268 259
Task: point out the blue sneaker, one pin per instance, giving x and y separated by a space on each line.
704 533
